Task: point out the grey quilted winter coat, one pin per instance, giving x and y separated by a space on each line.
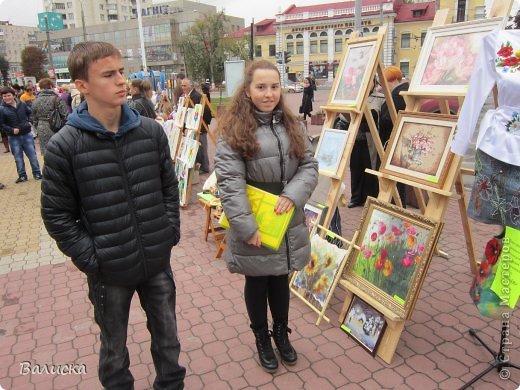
271 165
42 109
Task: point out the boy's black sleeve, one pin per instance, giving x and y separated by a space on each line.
60 207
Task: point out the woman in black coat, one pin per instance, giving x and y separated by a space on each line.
308 96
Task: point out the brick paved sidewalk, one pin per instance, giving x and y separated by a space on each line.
45 317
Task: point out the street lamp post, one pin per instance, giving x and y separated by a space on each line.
49 49
141 35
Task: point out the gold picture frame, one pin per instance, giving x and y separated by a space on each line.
395 250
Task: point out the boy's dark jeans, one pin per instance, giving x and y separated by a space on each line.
111 311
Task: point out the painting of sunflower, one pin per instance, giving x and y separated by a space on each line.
315 280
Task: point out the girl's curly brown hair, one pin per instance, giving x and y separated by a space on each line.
238 124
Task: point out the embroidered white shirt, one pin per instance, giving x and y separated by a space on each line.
499 136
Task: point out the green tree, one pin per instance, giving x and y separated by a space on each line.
206 47
4 70
33 62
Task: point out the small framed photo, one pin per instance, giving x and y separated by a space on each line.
449 52
419 148
314 212
330 151
364 324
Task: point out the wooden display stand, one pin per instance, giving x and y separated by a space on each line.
189 104
435 208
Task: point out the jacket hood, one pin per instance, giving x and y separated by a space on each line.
265 118
46 92
81 119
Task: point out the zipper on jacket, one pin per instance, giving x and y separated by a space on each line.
131 204
282 170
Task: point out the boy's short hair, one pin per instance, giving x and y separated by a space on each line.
85 53
46 83
6 90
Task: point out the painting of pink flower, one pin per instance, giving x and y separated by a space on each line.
382 228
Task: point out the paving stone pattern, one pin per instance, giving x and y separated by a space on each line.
46 318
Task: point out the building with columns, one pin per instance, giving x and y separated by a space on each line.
314 35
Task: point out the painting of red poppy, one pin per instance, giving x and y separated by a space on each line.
448 55
395 249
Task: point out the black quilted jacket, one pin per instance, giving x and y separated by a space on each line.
111 202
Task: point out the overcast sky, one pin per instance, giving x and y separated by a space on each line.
24 12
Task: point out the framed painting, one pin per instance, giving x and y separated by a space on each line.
314 282
419 148
395 250
182 171
448 55
330 150
364 324
314 212
355 72
174 136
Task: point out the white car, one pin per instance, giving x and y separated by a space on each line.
294 88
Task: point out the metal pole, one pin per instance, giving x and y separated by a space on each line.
49 49
252 48
141 35
83 23
357 16
283 53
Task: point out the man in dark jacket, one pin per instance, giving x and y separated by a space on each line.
15 119
110 200
195 96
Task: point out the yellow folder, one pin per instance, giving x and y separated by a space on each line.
271 225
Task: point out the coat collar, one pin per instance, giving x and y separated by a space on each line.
265 118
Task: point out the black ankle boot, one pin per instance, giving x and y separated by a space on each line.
265 350
281 339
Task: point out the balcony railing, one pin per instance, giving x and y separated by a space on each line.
334 12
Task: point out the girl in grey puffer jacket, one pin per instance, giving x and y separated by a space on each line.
261 143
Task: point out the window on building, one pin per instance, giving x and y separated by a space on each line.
480 12
299 47
461 10
323 46
338 45
101 6
299 36
313 35
423 37
124 8
102 17
258 51
59 5
117 36
405 40
290 47
405 68
348 32
69 4
375 29
314 47
106 36
72 25
70 16
272 50
289 36
417 13
366 30
323 34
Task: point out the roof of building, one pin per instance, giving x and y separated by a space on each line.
293 9
414 12
264 27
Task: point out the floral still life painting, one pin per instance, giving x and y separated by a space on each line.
395 248
315 280
419 148
364 324
448 55
354 73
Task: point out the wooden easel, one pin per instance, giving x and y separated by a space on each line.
189 104
435 209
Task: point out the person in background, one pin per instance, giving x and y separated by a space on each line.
202 154
110 199
42 110
76 96
164 107
261 143
206 88
307 98
177 91
15 119
28 96
66 96
18 91
396 83
139 101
